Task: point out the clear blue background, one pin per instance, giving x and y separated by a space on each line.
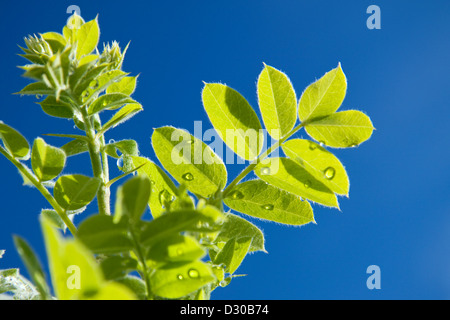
398 213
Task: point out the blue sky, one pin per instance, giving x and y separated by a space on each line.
398 213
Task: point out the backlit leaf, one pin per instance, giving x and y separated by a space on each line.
175 280
261 200
322 164
277 102
87 37
75 191
341 130
175 249
47 161
228 110
288 175
14 142
121 116
324 96
233 253
189 160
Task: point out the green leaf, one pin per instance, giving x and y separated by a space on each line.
109 101
47 161
33 266
73 192
175 280
117 266
53 217
288 175
55 108
75 273
175 222
87 81
277 102
176 248
324 96
233 253
124 114
14 142
128 147
101 235
189 161
133 198
236 227
67 259
163 189
341 130
228 110
87 37
261 200
322 164
56 41
126 85
75 147
36 88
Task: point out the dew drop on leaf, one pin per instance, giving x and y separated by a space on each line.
180 277
236 195
329 173
111 141
268 207
94 84
120 163
193 273
188 176
307 184
312 146
164 196
265 171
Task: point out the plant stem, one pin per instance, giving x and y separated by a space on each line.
59 210
255 162
98 168
141 258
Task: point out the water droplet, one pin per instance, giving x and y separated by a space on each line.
94 84
307 184
353 145
152 182
164 196
321 143
38 96
265 171
180 277
236 195
312 146
104 103
267 207
193 273
223 283
120 163
188 176
111 141
179 252
329 173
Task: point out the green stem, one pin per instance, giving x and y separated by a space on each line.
95 153
141 258
252 165
59 210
